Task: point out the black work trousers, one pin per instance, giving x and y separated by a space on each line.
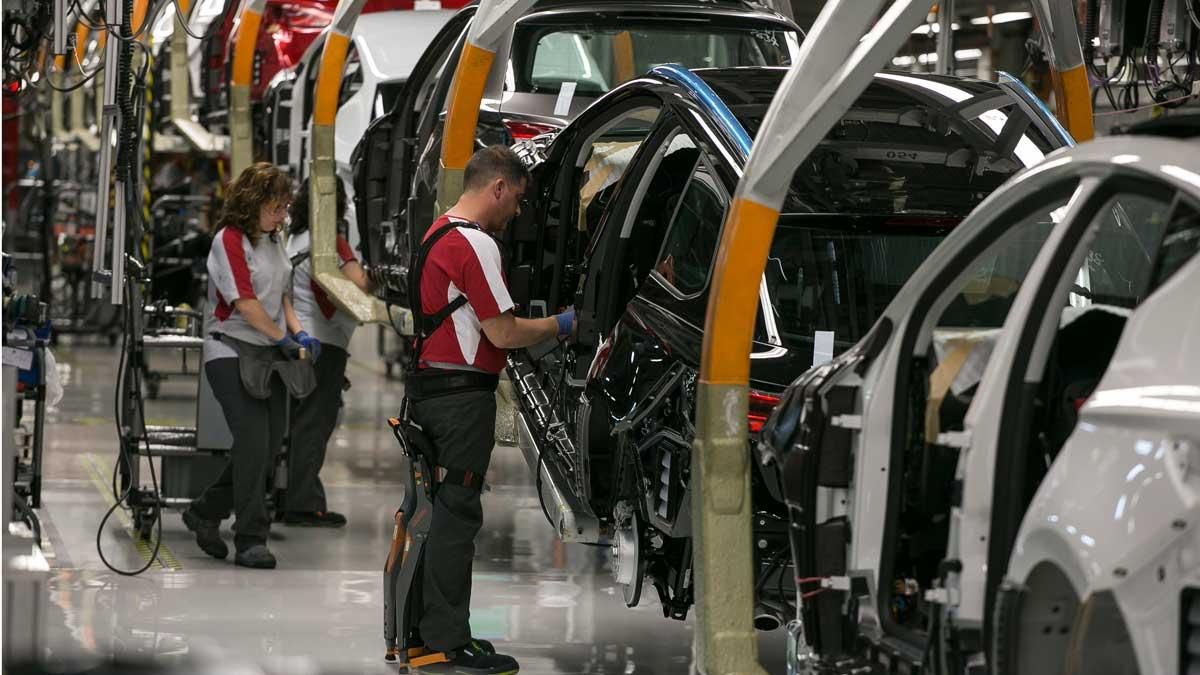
462 428
257 426
313 420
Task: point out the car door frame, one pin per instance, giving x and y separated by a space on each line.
880 380
994 479
406 138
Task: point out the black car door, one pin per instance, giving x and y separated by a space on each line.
383 160
646 297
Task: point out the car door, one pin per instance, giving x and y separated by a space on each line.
642 300
382 162
302 106
278 118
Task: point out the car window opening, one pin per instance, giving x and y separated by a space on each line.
1117 273
599 57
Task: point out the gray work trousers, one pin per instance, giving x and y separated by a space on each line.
257 426
314 418
462 428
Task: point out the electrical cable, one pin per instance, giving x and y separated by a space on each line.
1192 12
1178 101
132 109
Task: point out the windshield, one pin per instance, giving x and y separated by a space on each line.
599 57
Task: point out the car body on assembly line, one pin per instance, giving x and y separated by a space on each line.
554 61
625 211
1005 472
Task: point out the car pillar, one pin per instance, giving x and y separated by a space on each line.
1072 93
466 91
323 179
241 132
833 68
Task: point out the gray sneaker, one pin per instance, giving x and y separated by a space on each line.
257 556
208 534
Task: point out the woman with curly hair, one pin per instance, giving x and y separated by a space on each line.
252 337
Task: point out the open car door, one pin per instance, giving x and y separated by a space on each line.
382 163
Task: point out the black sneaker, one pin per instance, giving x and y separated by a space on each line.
314 519
421 650
257 556
470 659
208 534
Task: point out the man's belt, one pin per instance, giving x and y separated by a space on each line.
434 382
467 479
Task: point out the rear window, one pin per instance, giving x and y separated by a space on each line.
894 176
914 146
599 57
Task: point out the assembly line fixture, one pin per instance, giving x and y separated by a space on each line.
466 92
323 180
241 128
833 69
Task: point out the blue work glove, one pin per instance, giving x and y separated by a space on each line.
289 347
566 323
312 344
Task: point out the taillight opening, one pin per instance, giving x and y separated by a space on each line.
761 405
523 131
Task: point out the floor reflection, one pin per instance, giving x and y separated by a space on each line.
551 605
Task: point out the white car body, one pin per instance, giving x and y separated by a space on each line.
1118 511
387 45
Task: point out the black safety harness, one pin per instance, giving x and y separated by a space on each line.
426 383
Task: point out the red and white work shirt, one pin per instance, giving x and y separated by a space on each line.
240 270
316 312
466 262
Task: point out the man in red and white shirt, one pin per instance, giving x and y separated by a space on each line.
465 262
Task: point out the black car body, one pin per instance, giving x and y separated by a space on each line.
558 42
623 223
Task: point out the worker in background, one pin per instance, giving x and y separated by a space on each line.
254 354
452 394
315 417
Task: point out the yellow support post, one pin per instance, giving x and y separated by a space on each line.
833 68
1072 93
241 131
180 92
466 92
323 179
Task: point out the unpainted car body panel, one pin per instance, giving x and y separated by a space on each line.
1120 507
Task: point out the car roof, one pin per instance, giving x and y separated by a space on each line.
390 43
725 7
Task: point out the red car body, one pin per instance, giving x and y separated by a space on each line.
288 28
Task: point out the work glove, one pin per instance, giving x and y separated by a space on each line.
289 347
312 344
566 323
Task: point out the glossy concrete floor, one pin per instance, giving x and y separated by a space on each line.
553 606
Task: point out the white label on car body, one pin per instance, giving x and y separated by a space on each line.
565 93
822 347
